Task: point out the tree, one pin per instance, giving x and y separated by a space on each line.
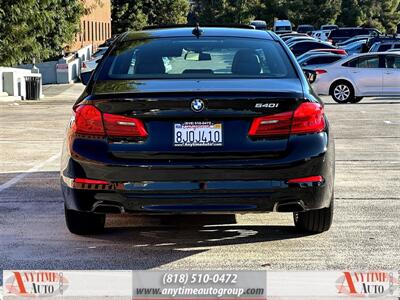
226 11
314 12
382 14
37 29
134 15
127 15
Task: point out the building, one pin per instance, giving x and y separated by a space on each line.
95 26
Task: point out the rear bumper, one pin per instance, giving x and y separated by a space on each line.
254 185
207 197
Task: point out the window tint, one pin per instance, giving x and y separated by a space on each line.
324 60
348 32
365 62
306 46
396 46
384 47
283 28
187 57
392 61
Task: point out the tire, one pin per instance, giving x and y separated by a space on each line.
356 99
314 221
82 223
342 92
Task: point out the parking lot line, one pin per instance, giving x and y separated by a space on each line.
21 176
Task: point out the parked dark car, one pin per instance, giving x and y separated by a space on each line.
319 59
259 24
187 121
353 39
385 46
300 47
343 34
304 28
329 27
382 40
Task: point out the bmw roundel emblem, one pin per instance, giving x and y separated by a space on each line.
197 105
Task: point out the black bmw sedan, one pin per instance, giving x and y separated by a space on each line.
188 121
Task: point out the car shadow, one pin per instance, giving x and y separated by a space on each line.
191 231
128 242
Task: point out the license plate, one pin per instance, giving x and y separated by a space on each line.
197 134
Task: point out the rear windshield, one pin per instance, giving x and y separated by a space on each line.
283 28
190 57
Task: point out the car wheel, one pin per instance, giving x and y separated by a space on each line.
356 99
84 222
342 92
314 221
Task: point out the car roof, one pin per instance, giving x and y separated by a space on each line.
309 41
370 54
206 32
319 54
388 42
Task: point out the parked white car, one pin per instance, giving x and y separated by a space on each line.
321 35
358 76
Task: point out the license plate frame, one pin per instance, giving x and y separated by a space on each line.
198 134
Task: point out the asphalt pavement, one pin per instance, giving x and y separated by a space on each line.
364 235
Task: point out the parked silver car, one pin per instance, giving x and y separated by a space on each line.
358 76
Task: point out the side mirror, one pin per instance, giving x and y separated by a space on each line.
85 76
311 75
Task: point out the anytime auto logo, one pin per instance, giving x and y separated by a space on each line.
35 283
367 284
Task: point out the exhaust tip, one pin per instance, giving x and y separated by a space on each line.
109 209
290 207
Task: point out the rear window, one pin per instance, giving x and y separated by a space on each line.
348 32
322 60
190 57
283 28
384 47
364 62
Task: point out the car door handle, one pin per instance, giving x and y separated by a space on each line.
387 72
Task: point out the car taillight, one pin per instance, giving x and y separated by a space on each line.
307 118
320 72
121 126
90 121
278 124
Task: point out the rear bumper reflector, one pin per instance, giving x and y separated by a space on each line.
311 179
90 181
